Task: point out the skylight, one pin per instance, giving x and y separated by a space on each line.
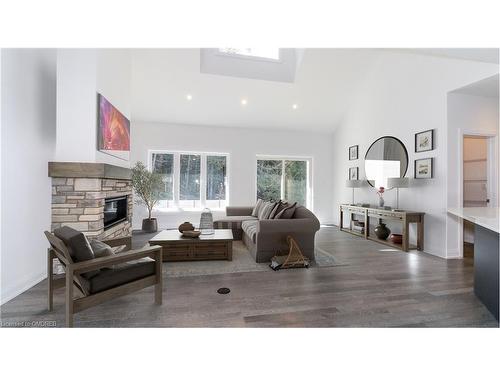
266 53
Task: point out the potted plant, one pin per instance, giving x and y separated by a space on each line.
147 186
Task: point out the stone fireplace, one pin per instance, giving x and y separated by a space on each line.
88 196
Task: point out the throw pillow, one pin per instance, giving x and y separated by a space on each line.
279 207
275 209
287 213
255 211
266 210
101 249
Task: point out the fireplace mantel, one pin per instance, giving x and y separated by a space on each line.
88 170
79 192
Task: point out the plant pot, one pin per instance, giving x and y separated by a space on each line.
382 232
150 225
186 226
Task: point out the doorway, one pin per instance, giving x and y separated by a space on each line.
478 181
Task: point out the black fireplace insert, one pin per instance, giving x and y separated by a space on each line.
115 211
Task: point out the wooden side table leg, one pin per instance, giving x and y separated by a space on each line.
406 235
420 234
341 223
50 279
230 250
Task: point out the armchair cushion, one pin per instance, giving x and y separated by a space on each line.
120 274
78 246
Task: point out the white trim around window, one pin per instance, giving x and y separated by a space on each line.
192 205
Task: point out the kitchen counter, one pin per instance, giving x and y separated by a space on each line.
487 217
486 252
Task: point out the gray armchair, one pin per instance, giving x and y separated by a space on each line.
97 280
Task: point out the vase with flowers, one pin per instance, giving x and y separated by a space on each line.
380 192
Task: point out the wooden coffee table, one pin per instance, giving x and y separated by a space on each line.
215 246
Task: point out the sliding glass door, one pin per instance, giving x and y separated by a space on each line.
286 179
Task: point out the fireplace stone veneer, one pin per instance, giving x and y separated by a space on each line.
79 191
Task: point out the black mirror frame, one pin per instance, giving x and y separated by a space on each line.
404 148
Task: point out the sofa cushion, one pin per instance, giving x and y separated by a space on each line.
232 222
287 212
266 209
120 274
256 209
250 228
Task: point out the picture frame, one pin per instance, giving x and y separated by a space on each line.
353 173
354 152
424 168
113 130
424 141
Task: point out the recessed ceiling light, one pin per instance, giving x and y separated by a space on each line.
244 102
295 106
189 97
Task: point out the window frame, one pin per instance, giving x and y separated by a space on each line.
250 57
282 158
198 205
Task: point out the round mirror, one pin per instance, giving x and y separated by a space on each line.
386 158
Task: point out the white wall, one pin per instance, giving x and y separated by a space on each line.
243 145
469 114
28 142
81 74
405 94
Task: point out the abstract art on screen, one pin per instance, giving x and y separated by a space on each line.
113 130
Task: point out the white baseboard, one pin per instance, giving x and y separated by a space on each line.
20 287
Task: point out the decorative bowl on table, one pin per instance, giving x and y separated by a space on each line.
186 226
397 238
191 233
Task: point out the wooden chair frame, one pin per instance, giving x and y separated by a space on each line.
73 280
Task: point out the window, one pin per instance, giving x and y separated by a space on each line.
192 180
266 53
164 165
286 179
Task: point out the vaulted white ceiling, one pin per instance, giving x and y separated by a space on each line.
326 80
323 87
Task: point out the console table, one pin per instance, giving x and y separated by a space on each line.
380 214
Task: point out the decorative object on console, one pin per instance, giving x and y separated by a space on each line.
353 152
380 193
147 186
397 183
424 141
354 184
353 173
382 232
113 130
206 222
397 238
424 168
186 226
191 233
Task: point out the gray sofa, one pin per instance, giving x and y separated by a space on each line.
264 237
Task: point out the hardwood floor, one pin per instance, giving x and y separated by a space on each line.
374 289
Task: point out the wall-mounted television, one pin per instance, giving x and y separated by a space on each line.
113 130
